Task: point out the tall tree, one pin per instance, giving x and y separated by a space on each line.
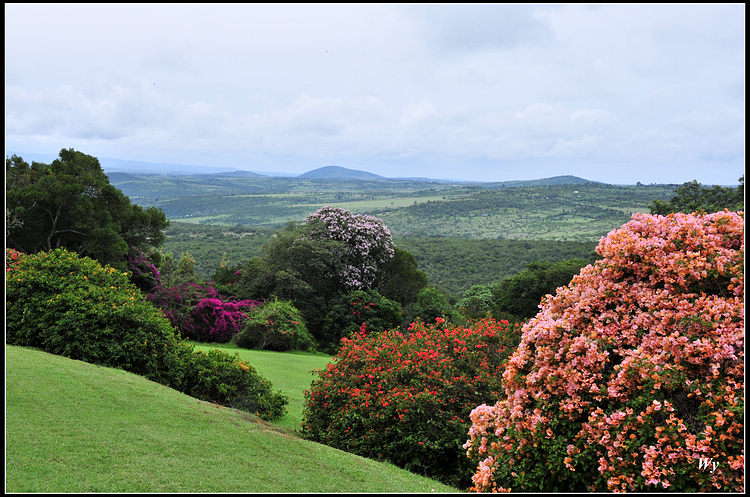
70 203
694 197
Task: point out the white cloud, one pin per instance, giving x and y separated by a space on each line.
378 84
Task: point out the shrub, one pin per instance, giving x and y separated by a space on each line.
406 397
631 377
200 313
276 325
72 306
348 313
219 377
430 305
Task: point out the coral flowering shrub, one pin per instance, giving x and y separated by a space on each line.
630 378
406 397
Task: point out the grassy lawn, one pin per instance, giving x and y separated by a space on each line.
290 372
76 427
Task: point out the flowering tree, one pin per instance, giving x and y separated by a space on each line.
631 377
368 243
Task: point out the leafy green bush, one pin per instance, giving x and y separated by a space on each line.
72 306
430 305
276 325
348 313
219 377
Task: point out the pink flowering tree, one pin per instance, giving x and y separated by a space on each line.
367 241
631 377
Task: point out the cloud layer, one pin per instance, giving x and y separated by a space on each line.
616 93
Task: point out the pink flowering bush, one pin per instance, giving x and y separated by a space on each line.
368 243
630 378
12 260
200 313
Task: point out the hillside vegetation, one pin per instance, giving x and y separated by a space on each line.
74 427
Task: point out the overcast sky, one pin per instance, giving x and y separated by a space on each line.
613 93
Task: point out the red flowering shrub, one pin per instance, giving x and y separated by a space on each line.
12 259
630 378
406 397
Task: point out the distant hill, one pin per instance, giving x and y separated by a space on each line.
330 172
553 181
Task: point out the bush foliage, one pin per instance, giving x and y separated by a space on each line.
200 313
406 397
72 306
348 313
276 325
631 375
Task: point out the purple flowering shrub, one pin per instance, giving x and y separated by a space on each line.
368 243
200 313
144 273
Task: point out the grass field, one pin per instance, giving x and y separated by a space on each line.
73 427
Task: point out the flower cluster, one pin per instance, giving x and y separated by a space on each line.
200 313
631 377
406 397
368 243
12 260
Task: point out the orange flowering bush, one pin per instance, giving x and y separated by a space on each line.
630 378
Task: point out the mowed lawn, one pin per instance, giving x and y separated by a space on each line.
76 427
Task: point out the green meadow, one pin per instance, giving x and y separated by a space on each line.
73 427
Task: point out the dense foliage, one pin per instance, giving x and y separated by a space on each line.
276 325
200 313
517 298
457 264
406 396
73 306
694 197
350 312
225 379
631 378
70 203
430 305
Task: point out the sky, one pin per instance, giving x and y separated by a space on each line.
617 93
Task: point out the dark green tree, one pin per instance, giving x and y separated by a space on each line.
430 304
401 280
347 313
694 197
518 297
294 266
70 203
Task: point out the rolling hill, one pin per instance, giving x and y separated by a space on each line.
335 172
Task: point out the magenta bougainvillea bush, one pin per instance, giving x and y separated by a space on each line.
200 313
368 243
405 396
630 378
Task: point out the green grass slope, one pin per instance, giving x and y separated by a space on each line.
290 372
76 427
